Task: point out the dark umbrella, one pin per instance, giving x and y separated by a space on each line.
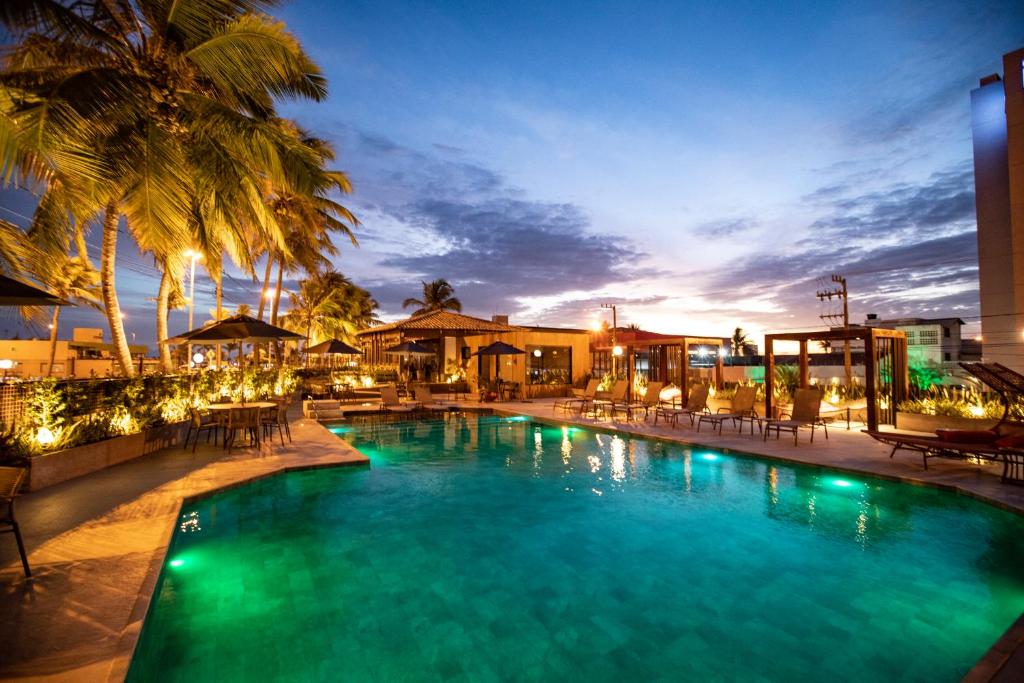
240 328
336 347
16 293
499 348
409 348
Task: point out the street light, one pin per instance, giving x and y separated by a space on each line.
195 256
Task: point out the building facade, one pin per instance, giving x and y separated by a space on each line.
84 356
997 127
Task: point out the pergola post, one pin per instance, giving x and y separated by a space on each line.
684 369
630 370
769 374
804 362
870 381
719 370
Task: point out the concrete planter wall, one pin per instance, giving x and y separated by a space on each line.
52 468
929 423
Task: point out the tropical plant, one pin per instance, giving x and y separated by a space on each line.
787 379
925 374
826 345
741 344
328 305
438 295
159 112
73 279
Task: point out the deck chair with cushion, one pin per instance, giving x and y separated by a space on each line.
806 413
579 399
391 403
618 395
740 410
696 404
1003 442
649 401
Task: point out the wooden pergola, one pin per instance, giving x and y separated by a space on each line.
633 341
885 366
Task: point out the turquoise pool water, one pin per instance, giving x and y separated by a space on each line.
489 549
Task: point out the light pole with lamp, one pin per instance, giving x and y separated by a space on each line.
195 256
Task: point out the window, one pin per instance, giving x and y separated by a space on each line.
549 365
911 338
946 355
945 332
928 337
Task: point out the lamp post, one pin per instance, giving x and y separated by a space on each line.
195 256
616 349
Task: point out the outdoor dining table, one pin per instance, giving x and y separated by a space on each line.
227 407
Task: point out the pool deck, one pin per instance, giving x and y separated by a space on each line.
97 543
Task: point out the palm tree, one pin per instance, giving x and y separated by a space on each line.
741 344
437 296
72 279
129 107
328 305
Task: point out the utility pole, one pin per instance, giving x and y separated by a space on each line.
615 324
831 318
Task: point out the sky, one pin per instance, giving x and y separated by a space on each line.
704 166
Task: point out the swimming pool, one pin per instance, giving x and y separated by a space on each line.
488 548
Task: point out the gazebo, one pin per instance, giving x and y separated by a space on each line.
885 366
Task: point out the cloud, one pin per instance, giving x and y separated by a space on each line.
463 221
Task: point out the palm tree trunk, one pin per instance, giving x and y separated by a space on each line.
163 305
278 347
220 301
53 340
108 255
266 286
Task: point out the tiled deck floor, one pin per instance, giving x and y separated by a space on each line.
97 542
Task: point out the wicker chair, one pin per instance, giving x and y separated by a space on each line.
10 482
277 418
246 420
200 422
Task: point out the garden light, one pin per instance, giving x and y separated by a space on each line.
45 437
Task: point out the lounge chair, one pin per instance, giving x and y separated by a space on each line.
426 399
806 413
618 395
740 410
696 404
391 403
578 400
650 400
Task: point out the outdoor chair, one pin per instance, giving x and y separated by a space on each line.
650 400
741 409
426 399
391 403
578 400
696 404
277 418
618 395
244 420
806 409
200 422
10 482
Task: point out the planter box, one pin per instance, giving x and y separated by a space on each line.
52 468
915 422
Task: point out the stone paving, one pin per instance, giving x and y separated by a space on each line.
97 543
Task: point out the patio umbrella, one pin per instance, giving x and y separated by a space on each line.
237 328
16 293
334 346
409 349
497 349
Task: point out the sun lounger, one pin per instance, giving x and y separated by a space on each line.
392 404
426 399
619 391
696 404
806 413
741 409
578 401
650 400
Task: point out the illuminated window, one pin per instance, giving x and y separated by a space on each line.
549 365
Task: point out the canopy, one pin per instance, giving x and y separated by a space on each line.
409 348
16 293
334 346
237 328
499 348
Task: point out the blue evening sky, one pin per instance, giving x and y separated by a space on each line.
701 164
